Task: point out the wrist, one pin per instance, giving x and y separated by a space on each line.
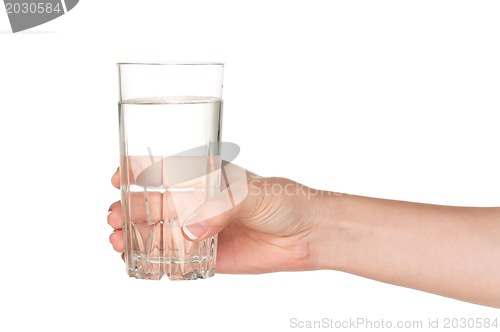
329 233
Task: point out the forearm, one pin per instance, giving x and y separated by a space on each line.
451 251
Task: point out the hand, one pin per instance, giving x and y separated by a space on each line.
281 225
274 228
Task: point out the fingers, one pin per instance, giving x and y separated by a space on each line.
145 207
115 218
115 179
115 215
139 210
116 239
209 219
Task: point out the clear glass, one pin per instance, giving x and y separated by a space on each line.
170 130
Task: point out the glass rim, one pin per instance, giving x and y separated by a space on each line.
170 63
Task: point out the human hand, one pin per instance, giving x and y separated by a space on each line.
274 228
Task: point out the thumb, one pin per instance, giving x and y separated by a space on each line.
214 214
209 219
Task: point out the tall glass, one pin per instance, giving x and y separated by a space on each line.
170 129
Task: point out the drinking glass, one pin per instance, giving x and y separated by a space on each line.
170 130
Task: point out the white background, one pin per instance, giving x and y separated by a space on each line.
392 99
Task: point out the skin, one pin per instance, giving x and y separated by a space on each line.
450 251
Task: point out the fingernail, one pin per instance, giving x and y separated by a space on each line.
109 212
194 228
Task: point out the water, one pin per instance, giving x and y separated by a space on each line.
169 166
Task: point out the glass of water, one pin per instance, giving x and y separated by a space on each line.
170 130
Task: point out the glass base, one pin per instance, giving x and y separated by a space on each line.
198 263
174 271
155 251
